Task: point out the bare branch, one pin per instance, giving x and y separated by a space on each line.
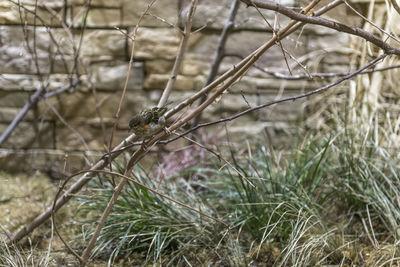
311 76
290 28
33 100
396 6
348 76
180 56
219 53
326 23
128 72
140 152
291 98
370 22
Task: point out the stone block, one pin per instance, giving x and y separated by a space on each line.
97 17
10 13
103 42
49 3
156 43
194 67
80 107
39 134
14 55
97 3
158 66
325 43
112 77
83 137
7 114
166 10
48 160
70 105
20 82
202 46
248 84
244 42
213 14
159 81
13 99
96 43
89 135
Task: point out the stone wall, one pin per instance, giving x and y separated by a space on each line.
62 127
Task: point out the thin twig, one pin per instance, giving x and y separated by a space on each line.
312 75
166 22
180 56
291 98
279 43
134 33
219 53
370 22
289 29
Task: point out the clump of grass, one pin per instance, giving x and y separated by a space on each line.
333 200
278 203
270 205
15 256
367 173
145 222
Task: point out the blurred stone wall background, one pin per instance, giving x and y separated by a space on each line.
44 141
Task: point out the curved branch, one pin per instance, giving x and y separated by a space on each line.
326 23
